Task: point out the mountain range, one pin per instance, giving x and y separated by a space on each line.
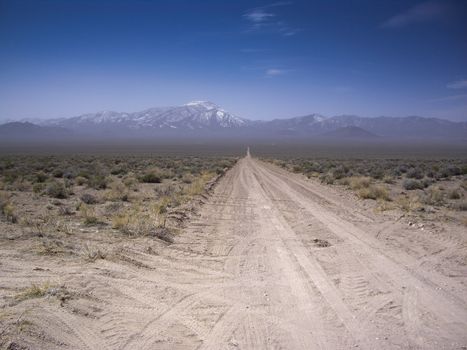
201 118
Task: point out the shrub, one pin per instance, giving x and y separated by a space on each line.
454 194
88 198
151 177
56 190
410 184
41 176
98 182
91 254
327 178
57 173
88 214
35 291
357 183
374 192
434 196
7 208
414 173
117 192
80 180
9 212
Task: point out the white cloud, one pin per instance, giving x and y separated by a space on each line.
271 72
424 12
262 19
258 15
459 84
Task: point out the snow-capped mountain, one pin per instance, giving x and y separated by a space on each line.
194 115
206 119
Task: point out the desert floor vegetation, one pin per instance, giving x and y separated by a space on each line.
77 211
412 185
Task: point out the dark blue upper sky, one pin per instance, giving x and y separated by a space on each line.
257 59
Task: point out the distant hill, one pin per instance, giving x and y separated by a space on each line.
27 129
350 132
206 119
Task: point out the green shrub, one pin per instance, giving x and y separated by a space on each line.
41 177
56 190
151 177
411 184
98 182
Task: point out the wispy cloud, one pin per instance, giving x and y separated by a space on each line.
424 12
272 72
459 84
259 16
265 19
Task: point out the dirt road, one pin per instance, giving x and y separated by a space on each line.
274 261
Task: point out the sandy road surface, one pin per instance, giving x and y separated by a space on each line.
273 261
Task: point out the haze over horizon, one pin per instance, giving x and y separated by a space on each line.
256 59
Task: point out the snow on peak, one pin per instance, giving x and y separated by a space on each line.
205 104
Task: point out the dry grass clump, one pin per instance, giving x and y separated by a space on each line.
92 254
7 209
433 196
117 191
376 192
88 214
409 203
34 291
56 190
359 183
133 221
139 221
51 247
197 185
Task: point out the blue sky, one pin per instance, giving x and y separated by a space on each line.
257 59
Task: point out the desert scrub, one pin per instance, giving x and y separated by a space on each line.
433 196
7 209
410 185
88 198
41 177
92 254
34 291
135 221
98 182
198 185
117 191
358 183
88 214
374 192
151 177
408 203
455 193
56 190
